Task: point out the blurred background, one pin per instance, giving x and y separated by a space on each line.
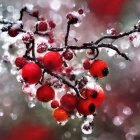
119 116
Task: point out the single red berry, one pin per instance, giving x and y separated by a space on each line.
52 61
131 38
72 19
99 69
51 35
85 107
69 16
68 102
52 24
69 70
27 37
45 93
96 95
80 11
51 40
31 73
35 13
42 26
86 64
90 54
20 62
42 47
60 115
13 32
54 104
68 55
113 31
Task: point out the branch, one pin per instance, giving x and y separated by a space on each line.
67 33
24 9
67 83
94 46
115 37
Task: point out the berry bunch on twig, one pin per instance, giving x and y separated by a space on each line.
48 75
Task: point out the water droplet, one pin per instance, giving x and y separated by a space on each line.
122 65
10 8
55 5
13 116
67 134
1 113
86 128
129 136
31 104
79 115
118 120
7 101
127 111
90 118
108 87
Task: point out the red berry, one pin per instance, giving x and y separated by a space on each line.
13 32
96 95
54 104
68 102
80 11
45 93
86 64
85 107
31 73
20 62
69 70
52 61
90 54
72 18
131 38
42 48
27 37
51 40
69 16
68 55
60 115
99 69
35 13
52 24
42 26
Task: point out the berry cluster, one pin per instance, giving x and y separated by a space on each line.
48 75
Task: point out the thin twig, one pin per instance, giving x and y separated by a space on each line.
67 34
115 37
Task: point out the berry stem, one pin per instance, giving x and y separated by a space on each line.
67 34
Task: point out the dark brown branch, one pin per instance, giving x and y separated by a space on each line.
67 34
22 12
111 46
115 37
5 22
24 9
33 50
66 82
41 34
